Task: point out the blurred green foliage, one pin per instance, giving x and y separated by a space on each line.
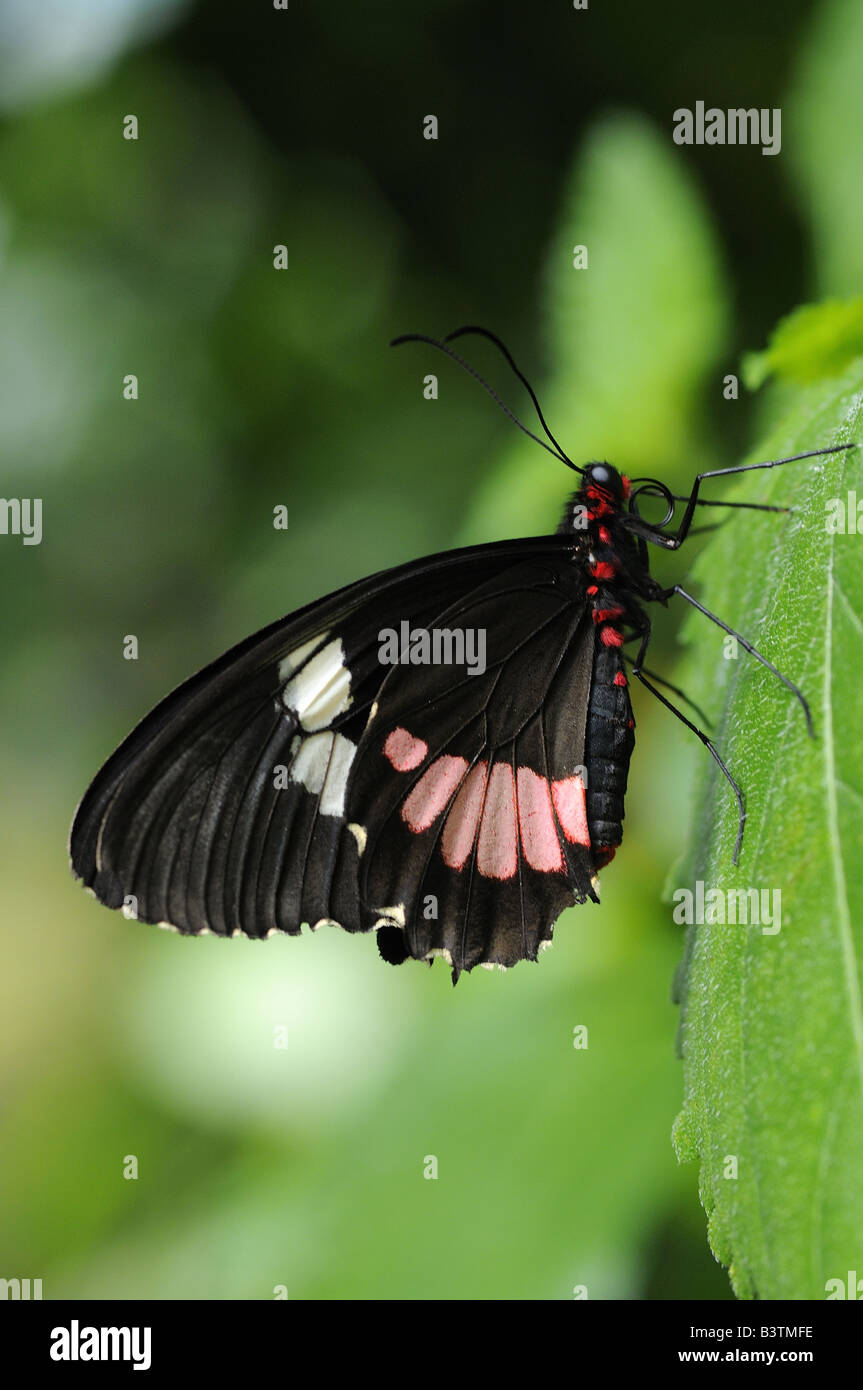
304 1167
813 342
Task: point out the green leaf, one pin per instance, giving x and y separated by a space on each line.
813 342
631 337
772 1024
825 143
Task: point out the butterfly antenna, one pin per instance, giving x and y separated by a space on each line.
501 347
557 452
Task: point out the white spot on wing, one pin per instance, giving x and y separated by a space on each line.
359 834
296 658
391 915
441 951
322 766
333 797
310 765
322 689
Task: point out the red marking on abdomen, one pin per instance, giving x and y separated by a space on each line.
604 535
602 857
620 679
432 792
604 615
571 808
603 570
497 851
610 637
539 838
404 751
462 823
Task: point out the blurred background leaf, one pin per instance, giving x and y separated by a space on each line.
815 341
825 126
633 337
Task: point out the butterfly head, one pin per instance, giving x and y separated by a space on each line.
603 489
606 493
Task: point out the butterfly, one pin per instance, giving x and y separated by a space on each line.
438 753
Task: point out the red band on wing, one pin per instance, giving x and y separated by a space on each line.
497 851
462 823
491 812
539 838
432 792
571 807
404 751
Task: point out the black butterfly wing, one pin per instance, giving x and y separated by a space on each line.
468 797
224 810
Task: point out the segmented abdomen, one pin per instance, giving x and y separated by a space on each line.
610 739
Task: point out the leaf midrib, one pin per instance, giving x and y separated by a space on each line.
843 916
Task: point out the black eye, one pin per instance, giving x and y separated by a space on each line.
607 477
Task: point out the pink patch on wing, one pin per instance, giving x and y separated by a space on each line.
433 792
404 751
462 823
569 802
539 837
497 851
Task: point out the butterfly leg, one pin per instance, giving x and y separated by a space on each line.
638 672
747 646
675 689
674 542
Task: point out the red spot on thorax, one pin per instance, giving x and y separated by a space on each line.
605 535
603 570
